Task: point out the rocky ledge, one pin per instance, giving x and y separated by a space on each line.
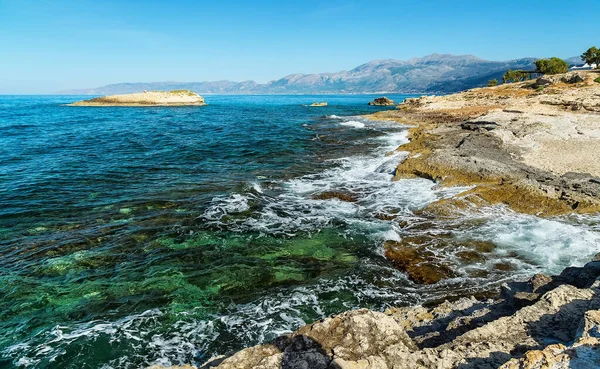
152 98
533 145
545 322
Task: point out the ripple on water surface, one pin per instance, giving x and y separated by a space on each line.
203 231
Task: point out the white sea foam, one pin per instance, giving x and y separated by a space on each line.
549 244
353 124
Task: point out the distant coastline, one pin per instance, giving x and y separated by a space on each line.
432 74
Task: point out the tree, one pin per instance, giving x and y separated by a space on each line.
592 56
492 82
515 76
552 66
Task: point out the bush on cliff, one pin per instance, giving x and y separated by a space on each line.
597 80
592 56
552 66
492 82
515 76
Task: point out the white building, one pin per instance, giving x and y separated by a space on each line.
584 67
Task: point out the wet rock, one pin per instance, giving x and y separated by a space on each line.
334 195
504 266
382 101
419 264
481 246
383 216
470 256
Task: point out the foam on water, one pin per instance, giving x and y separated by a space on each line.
366 177
549 244
353 124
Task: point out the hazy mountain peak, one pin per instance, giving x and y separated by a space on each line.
435 73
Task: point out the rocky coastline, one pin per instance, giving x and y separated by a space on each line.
150 98
545 322
533 149
532 146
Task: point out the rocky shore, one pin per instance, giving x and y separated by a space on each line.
152 98
545 322
532 146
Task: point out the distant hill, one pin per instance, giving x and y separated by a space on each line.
436 73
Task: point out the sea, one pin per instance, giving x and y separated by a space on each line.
132 236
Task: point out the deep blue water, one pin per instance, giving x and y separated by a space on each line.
133 236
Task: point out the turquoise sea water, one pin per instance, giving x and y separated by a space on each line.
134 236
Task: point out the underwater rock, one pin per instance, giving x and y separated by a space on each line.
334 195
418 263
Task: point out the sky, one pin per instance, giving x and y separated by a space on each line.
48 46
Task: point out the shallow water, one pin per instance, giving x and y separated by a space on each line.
133 236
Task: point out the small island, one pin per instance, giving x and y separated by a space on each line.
324 103
151 98
382 101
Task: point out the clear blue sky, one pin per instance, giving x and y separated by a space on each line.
51 45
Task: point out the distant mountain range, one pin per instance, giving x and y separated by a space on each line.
436 73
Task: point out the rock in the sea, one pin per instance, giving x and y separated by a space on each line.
419 264
324 103
152 98
382 101
334 195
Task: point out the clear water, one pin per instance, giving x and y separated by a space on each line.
134 236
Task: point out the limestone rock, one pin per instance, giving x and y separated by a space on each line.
152 98
479 125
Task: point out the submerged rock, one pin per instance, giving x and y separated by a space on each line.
417 262
382 101
334 195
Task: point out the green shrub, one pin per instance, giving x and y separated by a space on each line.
552 66
515 76
492 82
184 92
592 56
597 80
